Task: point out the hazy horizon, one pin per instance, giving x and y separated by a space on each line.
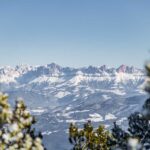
76 67
74 33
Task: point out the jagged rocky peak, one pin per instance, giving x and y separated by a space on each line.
128 69
122 68
103 67
54 66
6 70
26 73
48 69
23 68
91 70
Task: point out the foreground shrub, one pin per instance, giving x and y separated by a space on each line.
16 132
88 138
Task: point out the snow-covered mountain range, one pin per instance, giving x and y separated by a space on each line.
60 95
52 78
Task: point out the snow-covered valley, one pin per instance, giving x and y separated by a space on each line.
59 95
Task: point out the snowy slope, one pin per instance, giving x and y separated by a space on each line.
60 95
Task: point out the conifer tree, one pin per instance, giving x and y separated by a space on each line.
88 138
16 132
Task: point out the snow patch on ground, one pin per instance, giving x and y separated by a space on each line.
49 132
75 121
106 97
110 116
38 111
95 117
67 114
68 108
92 117
62 94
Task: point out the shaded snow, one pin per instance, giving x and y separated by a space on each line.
106 97
110 116
95 117
62 94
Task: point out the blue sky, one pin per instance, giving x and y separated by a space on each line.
75 32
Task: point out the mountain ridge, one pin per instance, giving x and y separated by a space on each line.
42 78
59 95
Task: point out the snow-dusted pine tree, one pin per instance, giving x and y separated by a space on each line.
16 132
88 138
